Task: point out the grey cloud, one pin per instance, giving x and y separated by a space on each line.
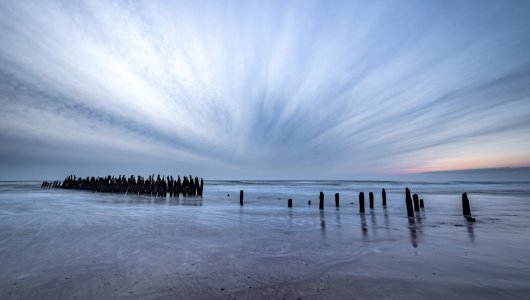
298 89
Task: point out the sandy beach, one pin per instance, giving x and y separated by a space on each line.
57 244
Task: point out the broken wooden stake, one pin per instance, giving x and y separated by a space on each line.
466 210
416 202
408 201
361 202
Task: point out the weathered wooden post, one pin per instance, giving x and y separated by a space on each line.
383 194
361 202
241 197
289 202
371 196
421 203
416 202
321 197
466 210
408 201
337 199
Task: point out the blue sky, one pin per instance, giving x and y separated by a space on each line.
263 89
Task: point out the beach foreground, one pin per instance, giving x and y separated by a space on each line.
63 244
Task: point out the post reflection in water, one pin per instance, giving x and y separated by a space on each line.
374 224
387 225
290 215
192 201
241 217
417 217
471 231
413 235
419 227
136 200
322 222
158 200
364 229
174 201
337 214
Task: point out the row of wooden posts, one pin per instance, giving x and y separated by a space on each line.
413 203
159 186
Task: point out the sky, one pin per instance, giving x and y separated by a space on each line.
263 89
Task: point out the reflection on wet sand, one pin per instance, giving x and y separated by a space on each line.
364 228
374 224
387 224
419 226
337 214
192 201
417 217
322 222
137 200
471 231
158 200
174 201
412 230
290 215
241 217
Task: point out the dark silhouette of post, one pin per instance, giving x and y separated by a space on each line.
416 202
383 194
241 197
371 197
159 186
321 198
466 210
421 203
289 202
408 201
337 199
361 202
309 202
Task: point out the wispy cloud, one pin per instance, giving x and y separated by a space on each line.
287 89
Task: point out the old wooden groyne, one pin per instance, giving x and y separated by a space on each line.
159 186
413 203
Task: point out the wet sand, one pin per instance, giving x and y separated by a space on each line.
79 245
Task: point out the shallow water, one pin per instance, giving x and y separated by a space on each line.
58 244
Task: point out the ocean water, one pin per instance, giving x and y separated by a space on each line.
64 244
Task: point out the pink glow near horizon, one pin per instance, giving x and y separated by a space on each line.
466 163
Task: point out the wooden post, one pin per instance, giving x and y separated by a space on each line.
361 202
241 197
337 199
421 203
321 197
416 202
408 201
290 203
371 196
383 194
466 210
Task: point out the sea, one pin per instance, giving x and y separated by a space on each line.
67 244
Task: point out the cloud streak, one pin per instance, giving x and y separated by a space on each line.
229 89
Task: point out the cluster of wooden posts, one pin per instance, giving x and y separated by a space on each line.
50 184
151 186
413 203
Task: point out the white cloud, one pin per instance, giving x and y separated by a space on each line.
339 90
